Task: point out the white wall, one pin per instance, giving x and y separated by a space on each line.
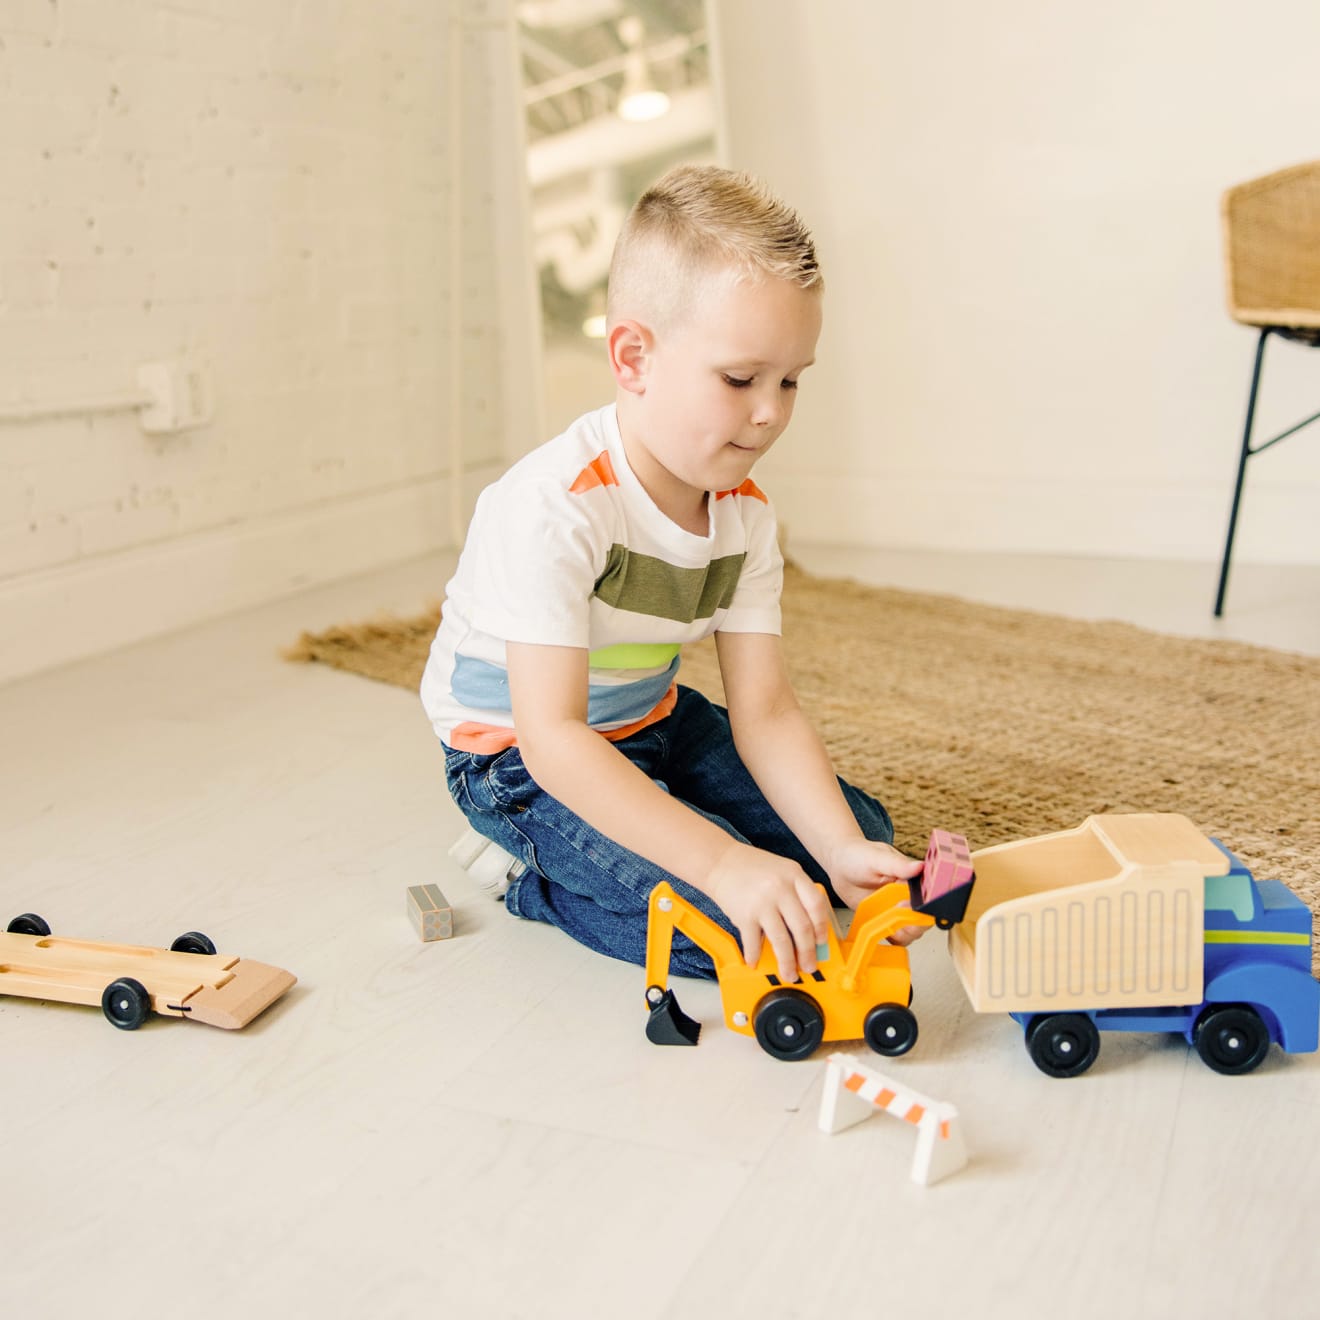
270 190
578 379
1026 346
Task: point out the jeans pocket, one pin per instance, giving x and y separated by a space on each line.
461 769
508 784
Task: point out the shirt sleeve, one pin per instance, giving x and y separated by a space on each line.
537 553
755 605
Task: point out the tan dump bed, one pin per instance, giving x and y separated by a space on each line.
1107 915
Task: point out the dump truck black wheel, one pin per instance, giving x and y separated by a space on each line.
788 1024
126 1003
1231 1038
192 941
1063 1044
28 923
890 1030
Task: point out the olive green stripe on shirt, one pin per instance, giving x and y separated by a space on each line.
646 585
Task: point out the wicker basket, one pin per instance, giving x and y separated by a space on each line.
1272 251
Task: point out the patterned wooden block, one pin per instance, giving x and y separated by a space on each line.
948 863
430 913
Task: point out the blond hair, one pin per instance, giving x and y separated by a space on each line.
699 220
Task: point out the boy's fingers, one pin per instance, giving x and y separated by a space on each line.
818 913
751 942
813 900
802 929
781 941
910 867
907 935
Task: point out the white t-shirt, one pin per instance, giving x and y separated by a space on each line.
568 549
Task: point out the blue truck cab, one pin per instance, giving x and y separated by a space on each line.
1258 957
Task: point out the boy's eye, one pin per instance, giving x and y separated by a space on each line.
741 382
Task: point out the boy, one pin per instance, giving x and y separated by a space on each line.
588 565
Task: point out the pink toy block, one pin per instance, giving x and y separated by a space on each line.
948 864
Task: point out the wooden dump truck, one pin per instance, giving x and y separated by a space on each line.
1137 923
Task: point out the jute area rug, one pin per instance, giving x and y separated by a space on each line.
1000 724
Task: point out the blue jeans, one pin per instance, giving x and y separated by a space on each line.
586 884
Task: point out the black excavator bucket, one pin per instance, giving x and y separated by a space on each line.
667 1024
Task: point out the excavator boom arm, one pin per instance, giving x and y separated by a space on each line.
667 1023
880 921
669 912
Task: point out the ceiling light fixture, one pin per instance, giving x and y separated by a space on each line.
640 99
593 322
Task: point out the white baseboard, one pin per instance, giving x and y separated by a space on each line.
978 516
82 609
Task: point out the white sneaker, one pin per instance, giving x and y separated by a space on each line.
489 865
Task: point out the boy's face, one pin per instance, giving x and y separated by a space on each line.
716 388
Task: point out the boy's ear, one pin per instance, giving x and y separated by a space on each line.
630 344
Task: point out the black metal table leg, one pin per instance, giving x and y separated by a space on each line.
1241 472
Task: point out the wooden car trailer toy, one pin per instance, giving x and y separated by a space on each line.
188 980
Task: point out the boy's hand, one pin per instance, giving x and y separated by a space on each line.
859 867
772 898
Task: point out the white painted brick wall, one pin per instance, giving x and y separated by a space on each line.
265 188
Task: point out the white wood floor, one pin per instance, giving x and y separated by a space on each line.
478 1127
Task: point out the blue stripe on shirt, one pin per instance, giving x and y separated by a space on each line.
482 686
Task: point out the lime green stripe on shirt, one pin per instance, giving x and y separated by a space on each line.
1254 937
638 655
643 584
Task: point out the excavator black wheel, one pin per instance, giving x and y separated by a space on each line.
890 1030
788 1025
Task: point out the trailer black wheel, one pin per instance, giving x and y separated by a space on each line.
28 923
192 941
1231 1038
1063 1044
126 1003
788 1024
890 1030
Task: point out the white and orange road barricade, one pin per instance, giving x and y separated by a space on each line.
854 1091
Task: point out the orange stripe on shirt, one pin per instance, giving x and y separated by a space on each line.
599 472
749 488
487 739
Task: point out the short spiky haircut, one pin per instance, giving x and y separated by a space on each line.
698 220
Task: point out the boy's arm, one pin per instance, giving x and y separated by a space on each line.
766 897
785 755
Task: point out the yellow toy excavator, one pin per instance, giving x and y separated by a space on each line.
861 987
